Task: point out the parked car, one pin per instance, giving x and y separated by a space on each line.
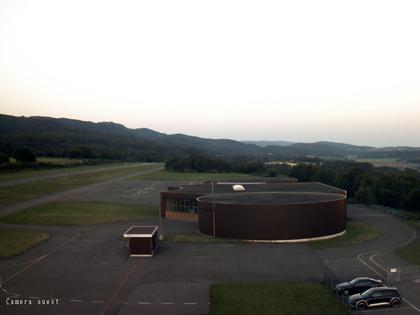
357 285
382 296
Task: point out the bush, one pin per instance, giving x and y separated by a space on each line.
24 155
4 158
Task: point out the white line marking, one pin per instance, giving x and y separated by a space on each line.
33 297
42 257
97 302
190 303
376 263
413 306
377 252
167 303
143 303
119 302
76 301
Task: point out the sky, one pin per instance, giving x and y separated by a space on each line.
303 71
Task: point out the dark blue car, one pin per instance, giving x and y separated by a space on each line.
375 297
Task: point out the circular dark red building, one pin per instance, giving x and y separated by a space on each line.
272 216
260 211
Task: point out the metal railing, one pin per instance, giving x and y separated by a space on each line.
330 281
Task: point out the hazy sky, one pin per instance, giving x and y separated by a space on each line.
345 71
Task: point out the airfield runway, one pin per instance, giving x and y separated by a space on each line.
86 269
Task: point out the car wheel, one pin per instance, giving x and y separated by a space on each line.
361 306
395 303
346 292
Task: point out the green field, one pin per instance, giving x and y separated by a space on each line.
414 224
16 241
410 252
270 299
356 233
22 192
59 161
388 162
26 173
190 176
80 213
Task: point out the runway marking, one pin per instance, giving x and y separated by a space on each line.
118 289
76 301
97 302
190 303
143 191
40 258
143 303
167 303
120 302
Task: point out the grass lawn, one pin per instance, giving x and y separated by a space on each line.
270 299
22 192
59 161
191 176
16 241
356 233
410 252
388 162
414 224
25 173
80 213
409 214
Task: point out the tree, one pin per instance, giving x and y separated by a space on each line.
4 158
24 155
364 195
412 200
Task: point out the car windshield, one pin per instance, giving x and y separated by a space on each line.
354 281
367 293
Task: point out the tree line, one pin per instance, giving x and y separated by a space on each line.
363 182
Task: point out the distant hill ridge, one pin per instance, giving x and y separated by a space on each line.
65 137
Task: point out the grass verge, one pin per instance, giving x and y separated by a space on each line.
191 176
80 213
28 172
16 241
22 192
267 299
410 252
414 224
356 233
197 238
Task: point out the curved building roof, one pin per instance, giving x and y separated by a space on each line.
223 188
271 198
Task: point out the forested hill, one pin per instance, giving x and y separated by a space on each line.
321 148
61 137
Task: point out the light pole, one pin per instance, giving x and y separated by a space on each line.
160 225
